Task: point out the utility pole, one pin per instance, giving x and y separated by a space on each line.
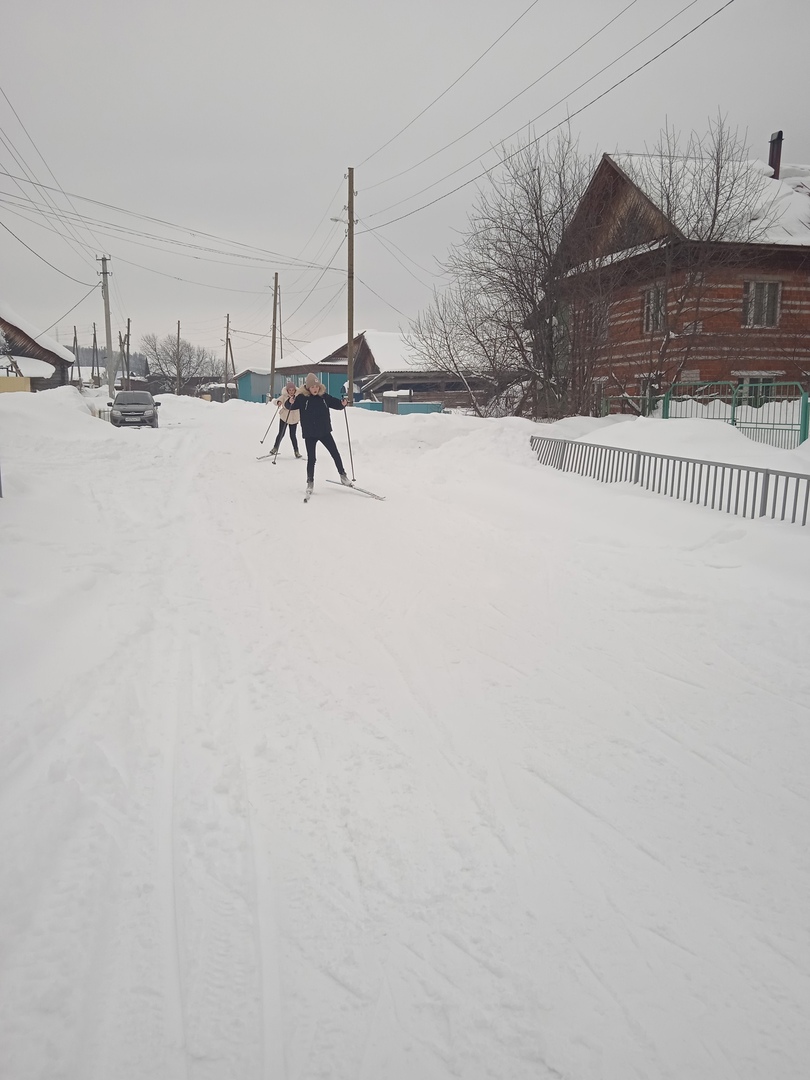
350 291
227 346
95 373
280 327
273 345
129 373
177 367
76 354
105 292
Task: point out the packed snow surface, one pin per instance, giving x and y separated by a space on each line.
505 777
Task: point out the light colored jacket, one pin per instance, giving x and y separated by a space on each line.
284 413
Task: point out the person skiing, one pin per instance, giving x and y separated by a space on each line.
313 404
287 419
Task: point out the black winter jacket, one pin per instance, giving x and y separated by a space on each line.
314 409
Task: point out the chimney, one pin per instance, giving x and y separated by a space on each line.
775 154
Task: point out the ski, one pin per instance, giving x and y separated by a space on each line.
362 491
264 457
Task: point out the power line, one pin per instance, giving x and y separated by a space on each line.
384 246
56 268
388 302
123 232
452 84
508 157
526 89
53 324
590 79
169 224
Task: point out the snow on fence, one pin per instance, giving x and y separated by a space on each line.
774 413
742 490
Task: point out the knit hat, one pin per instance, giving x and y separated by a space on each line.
290 386
312 381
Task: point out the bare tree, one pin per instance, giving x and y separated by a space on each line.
179 363
501 316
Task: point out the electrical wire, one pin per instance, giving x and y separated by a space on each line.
275 255
382 244
45 163
53 324
388 302
42 257
531 142
318 281
525 90
590 79
452 84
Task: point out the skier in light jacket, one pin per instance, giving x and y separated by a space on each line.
287 419
313 404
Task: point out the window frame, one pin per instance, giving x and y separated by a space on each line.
654 306
761 297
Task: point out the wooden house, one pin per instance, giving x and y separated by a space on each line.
30 355
658 295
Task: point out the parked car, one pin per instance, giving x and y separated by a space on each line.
133 408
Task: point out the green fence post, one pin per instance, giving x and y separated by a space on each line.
733 418
665 405
804 419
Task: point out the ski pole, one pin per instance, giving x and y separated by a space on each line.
275 414
348 436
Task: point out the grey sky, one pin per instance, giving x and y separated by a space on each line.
240 120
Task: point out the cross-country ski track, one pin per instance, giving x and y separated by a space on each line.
503 777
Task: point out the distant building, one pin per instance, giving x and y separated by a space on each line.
383 361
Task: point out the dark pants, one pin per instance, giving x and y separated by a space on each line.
282 427
329 443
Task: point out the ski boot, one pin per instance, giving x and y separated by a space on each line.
345 480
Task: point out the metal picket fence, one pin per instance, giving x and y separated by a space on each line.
742 490
776 413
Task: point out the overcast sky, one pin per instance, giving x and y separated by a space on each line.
240 119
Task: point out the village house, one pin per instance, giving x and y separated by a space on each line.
659 294
383 363
30 360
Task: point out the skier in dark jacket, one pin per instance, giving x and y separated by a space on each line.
314 404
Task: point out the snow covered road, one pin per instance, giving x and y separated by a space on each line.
505 777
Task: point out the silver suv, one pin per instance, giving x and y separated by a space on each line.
133 408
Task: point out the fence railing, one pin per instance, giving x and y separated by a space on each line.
742 490
776 413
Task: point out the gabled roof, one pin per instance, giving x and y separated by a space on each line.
26 340
764 210
636 200
389 351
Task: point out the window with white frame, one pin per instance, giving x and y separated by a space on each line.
654 304
761 303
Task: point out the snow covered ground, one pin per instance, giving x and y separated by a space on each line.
505 777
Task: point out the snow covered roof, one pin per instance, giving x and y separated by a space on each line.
250 371
761 210
29 367
389 348
43 340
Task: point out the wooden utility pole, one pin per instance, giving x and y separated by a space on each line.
350 291
129 373
227 347
76 354
280 327
273 345
177 366
105 292
95 371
